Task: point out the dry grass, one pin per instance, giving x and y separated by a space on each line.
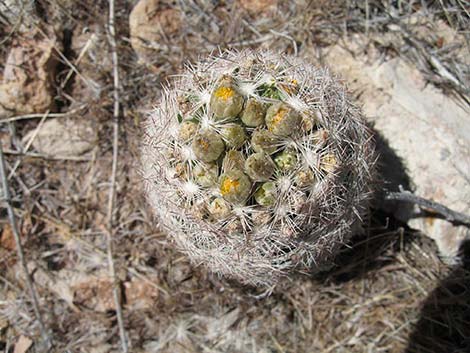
389 292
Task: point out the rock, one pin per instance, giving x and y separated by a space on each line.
7 240
151 23
23 344
27 85
427 130
63 137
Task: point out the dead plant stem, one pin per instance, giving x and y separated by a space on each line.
19 249
112 188
447 213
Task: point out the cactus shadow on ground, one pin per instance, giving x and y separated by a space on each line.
383 234
444 323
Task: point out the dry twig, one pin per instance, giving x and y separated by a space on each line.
112 189
447 213
19 249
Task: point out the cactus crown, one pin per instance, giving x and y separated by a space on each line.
257 164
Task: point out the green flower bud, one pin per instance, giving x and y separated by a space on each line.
254 113
304 177
328 162
207 146
187 130
234 135
286 160
226 101
259 166
233 160
269 91
235 186
266 194
282 120
219 208
263 141
205 175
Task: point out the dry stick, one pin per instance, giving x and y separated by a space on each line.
40 115
112 189
29 143
447 213
46 157
19 249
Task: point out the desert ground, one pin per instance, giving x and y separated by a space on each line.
92 272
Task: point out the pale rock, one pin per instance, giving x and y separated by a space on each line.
152 22
28 77
427 130
63 137
23 344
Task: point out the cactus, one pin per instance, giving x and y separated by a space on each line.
257 165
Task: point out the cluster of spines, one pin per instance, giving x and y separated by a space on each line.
302 207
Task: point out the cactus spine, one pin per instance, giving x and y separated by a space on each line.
257 164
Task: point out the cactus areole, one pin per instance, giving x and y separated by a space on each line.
257 164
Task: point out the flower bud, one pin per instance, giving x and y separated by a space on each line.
235 186
234 135
263 141
187 130
219 208
286 160
304 177
259 166
205 175
282 120
266 194
328 163
207 146
233 160
254 113
226 101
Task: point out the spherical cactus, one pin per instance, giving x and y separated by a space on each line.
257 165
